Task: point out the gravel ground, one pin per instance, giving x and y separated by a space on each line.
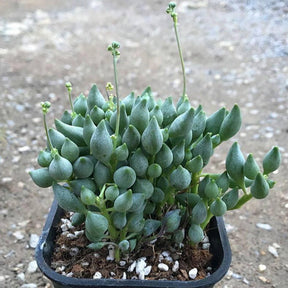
235 51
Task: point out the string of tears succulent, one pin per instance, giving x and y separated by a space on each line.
135 169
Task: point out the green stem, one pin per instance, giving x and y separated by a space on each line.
181 57
208 218
46 131
117 96
245 198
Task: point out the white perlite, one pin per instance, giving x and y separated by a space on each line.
97 275
193 273
33 241
163 267
32 267
273 251
264 226
111 251
175 267
262 267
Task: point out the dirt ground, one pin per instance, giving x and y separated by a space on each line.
235 52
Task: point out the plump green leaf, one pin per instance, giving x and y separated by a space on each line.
260 187
231 198
150 227
180 178
132 138
231 124
83 167
195 233
95 98
164 157
251 168
124 177
60 168
67 200
139 163
152 139
95 226
171 220
272 160
69 150
41 177
218 207
199 213
123 202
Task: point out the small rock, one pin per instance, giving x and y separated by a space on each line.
163 267
29 285
132 267
124 276
205 246
140 265
262 267
33 241
122 263
32 267
21 277
276 245
175 267
264 226
97 275
24 149
263 279
18 235
193 273
273 251
147 270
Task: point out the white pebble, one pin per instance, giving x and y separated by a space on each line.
193 273
33 241
175 267
206 246
205 239
29 285
21 277
140 265
18 235
32 267
141 275
163 267
264 226
122 263
132 267
276 245
165 254
124 276
147 270
273 251
262 267
97 275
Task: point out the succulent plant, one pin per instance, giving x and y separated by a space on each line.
133 169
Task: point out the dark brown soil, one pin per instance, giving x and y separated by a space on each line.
188 257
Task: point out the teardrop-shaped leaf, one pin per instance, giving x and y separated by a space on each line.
211 189
178 153
194 165
180 178
204 148
124 177
67 200
131 137
218 207
199 124
182 124
60 168
251 169
88 129
41 177
231 124
260 187
87 196
139 117
157 113
168 111
57 138
272 160
95 226
97 114
143 186
44 158
195 233
164 157
231 198
152 139
235 164
101 144
101 175
150 227
80 105
123 202
83 167
69 150
199 213
139 163
213 122
119 219
171 220
95 98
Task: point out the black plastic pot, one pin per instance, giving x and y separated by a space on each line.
220 249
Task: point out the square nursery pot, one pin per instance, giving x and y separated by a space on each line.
219 247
